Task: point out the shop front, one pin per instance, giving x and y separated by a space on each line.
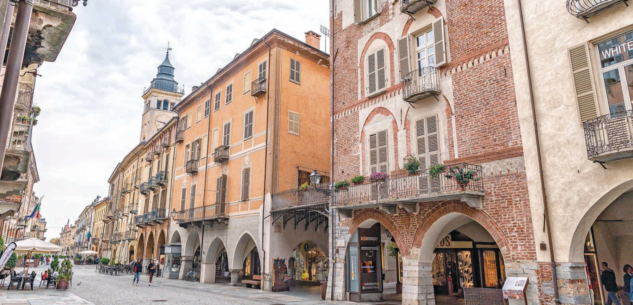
307 264
172 259
364 265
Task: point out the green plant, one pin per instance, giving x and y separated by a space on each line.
304 187
411 164
36 110
34 122
393 249
105 261
37 256
341 185
55 264
462 175
378 177
358 179
13 261
20 256
436 170
66 270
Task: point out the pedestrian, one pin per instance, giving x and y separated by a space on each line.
138 267
151 268
608 281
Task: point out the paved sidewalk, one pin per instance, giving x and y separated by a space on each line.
39 297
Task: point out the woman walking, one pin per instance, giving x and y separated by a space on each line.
152 270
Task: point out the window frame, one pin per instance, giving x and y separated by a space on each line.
226 137
217 101
207 108
265 70
228 95
385 67
296 71
246 86
291 122
244 183
252 123
199 114
620 67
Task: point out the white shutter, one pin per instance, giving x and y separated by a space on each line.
382 151
371 70
583 82
358 15
298 72
440 42
403 56
205 143
380 67
246 178
373 153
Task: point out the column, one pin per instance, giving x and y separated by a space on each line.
235 278
531 271
207 273
417 282
572 283
12 72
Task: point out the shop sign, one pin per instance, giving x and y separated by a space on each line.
448 243
514 288
368 238
616 50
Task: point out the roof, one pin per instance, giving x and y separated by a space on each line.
164 79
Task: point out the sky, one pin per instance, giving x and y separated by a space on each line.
91 95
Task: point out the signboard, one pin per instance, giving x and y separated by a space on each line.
7 254
514 288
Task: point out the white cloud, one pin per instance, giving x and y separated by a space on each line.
91 96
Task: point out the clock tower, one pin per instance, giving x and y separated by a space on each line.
160 98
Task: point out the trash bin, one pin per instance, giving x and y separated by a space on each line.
323 289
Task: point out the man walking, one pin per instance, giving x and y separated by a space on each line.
608 281
138 267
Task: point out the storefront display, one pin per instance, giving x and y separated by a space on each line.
364 265
172 261
308 263
593 273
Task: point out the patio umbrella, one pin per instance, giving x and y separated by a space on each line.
88 252
34 245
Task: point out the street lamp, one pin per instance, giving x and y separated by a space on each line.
315 178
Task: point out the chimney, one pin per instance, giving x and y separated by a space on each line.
313 39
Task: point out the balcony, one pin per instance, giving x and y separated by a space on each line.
126 189
130 235
221 154
206 214
157 149
144 188
294 199
420 84
146 218
159 215
139 221
25 99
149 156
153 183
162 178
258 87
584 9
609 137
165 142
407 190
137 181
192 166
180 136
412 6
95 241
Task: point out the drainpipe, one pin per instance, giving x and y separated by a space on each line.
538 154
12 72
332 234
204 193
265 162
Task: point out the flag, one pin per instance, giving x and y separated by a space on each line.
36 212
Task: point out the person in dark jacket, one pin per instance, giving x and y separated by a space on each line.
151 269
608 281
628 275
138 268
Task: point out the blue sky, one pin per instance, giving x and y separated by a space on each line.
91 96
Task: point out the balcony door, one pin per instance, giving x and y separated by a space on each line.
424 50
616 68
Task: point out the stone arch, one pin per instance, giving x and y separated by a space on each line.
149 246
213 250
445 216
140 245
130 251
175 238
576 247
191 243
361 64
241 248
160 241
369 217
394 129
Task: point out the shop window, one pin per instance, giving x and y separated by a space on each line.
616 67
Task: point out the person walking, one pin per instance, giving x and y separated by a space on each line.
138 267
151 269
608 281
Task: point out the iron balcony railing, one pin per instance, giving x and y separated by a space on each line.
221 154
209 212
25 99
421 83
149 156
412 6
130 235
137 181
192 166
58 4
95 241
417 187
127 188
180 135
139 221
159 214
258 86
165 142
146 217
587 8
610 137
144 188
153 183
161 178
297 198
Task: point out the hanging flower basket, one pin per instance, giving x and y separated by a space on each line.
378 177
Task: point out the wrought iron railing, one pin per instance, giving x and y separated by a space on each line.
208 212
165 142
258 86
587 8
221 154
457 179
161 177
139 221
610 133
144 188
25 98
153 182
180 135
192 166
412 6
58 4
146 217
298 198
149 156
421 83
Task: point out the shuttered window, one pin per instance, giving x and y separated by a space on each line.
403 56
207 108
187 150
192 199
163 199
427 140
295 71
583 82
248 125
199 114
440 42
262 70
226 140
203 149
229 94
293 122
247 82
189 120
214 139
218 98
378 152
246 183
376 72
221 190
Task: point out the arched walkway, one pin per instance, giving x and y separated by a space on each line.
149 247
140 245
246 258
209 268
175 238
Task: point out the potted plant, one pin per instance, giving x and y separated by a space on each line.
24 118
55 264
341 185
64 274
461 175
411 164
436 170
13 262
304 187
358 180
378 177
105 261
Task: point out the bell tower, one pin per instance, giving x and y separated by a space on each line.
160 98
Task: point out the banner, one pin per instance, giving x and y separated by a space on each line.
7 254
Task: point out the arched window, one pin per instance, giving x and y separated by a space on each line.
158 104
165 105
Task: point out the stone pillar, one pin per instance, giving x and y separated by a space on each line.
417 282
207 273
184 269
529 270
235 278
572 283
267 282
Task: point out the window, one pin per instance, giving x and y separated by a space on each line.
158 104
378 153
183 198
195 150
187 151
214 139
428 143
218 97
229 94
207 108
293 122
189 120
246 180
205 143
262 70
226 140
376 75
165 104
248 125
247 82
192 202
427 50
616 67
198 114
365 9
424 50
171 106
221 192
295 71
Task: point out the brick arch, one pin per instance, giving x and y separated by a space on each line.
377 36
394 127
386 221
475 214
